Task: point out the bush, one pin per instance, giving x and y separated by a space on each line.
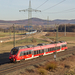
67 66
70 73
51 66
33 40
42 71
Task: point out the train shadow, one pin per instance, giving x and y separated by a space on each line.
4 58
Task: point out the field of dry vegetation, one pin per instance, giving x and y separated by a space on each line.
62 67
65 66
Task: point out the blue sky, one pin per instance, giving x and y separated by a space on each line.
9 9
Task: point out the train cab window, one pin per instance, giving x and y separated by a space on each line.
14 51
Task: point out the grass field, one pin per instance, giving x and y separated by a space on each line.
2 34
61 38
6 47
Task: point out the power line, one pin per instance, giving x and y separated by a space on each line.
42 4
54 5
68 10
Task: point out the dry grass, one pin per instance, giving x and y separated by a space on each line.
61 34
51 66
70 73
42 71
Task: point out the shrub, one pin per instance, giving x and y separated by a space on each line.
33 40
67 66
42 71
30 70
51 66
70 73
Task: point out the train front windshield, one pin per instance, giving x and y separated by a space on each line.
14 51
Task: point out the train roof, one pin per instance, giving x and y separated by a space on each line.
57 42
22 47
40 44
29 46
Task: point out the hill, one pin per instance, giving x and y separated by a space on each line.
37 21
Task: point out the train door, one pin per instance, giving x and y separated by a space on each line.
44 50
60 47
32 52
22 55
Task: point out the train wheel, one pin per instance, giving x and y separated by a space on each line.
14 60
65 49
40 55
23 60
11 61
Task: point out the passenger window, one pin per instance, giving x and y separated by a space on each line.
29 52
46 50
40 51
34 52
37 52
21 54
24 53
43 51
52 49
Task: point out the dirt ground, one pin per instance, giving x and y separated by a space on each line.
65 66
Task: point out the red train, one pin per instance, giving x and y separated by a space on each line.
30 51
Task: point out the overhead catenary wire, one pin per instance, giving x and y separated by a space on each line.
54 5
42 4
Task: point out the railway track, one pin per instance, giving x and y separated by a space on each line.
12 67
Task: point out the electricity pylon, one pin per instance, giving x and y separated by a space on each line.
30 10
